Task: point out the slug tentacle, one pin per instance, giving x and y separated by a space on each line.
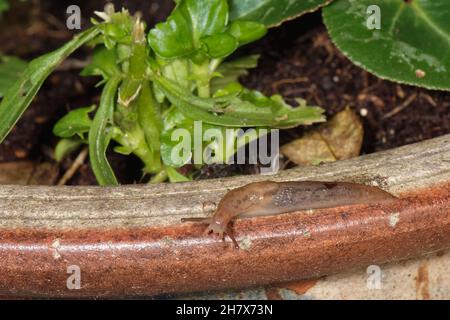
197 220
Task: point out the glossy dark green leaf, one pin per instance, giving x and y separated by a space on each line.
272 12
20 95
100 134
208 17
76 122
411 46
11 69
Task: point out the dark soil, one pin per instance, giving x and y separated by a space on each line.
306 64
298 60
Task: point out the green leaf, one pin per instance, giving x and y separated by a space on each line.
191 21
76 122
178 70
175 176
231 71
11 69
104 63
65 147
177 153
412 46
100 134
247 31
220 45
272 12
4 5
249 110
149 116
20 95
174 120
117 28
172 39
125 151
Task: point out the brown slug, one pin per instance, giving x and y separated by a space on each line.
272 198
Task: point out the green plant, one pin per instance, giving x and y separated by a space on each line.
4 5
156 83
272 12
411 45
10 70
162 81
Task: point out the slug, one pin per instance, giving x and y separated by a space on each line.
272 198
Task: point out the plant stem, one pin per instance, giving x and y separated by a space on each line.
203 77
161 177
214 64
149 115
203 90
140 118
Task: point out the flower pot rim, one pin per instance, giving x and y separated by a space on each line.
128 240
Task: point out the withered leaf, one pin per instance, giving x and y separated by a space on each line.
339 139
28 173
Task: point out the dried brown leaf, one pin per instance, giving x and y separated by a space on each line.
339 139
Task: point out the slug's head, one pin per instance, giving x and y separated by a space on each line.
221 228
217 227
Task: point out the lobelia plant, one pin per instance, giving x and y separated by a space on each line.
157 82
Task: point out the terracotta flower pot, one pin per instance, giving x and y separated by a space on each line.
128 241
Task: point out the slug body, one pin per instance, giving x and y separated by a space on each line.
272 198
